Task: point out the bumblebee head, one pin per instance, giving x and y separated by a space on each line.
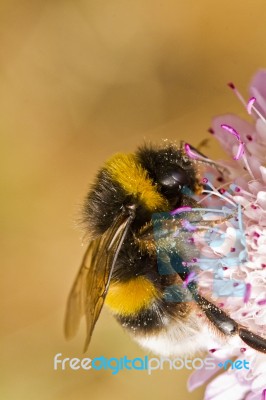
155 179
170 169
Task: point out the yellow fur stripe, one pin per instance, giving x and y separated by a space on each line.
125 170
128 298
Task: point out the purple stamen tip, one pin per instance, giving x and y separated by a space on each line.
231 85
190 153
191 277
240 151
211 131
250 104
231 130
187 225
247 293
180 210
262 302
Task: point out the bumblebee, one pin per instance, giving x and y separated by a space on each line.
121 267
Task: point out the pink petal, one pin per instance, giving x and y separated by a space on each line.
256 149
253 396
258 89
227 140
261 129
263 173
200 377
254 164
261 198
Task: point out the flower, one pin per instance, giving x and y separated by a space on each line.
237 253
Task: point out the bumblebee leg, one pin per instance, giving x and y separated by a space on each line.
256 342
218 317
229 326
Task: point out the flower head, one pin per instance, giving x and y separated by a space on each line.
236 250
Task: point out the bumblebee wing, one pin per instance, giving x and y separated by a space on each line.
76 304
91 285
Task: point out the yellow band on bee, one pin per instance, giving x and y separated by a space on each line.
125 170
128 298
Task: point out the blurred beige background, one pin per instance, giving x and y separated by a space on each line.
80 80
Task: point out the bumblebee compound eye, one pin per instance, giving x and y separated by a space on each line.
173 179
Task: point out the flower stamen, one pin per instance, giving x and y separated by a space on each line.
231 130
248 106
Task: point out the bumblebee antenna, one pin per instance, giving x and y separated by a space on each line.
195 154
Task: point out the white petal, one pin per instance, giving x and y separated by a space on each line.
255 186
259 382
261 198
226 386
263 173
